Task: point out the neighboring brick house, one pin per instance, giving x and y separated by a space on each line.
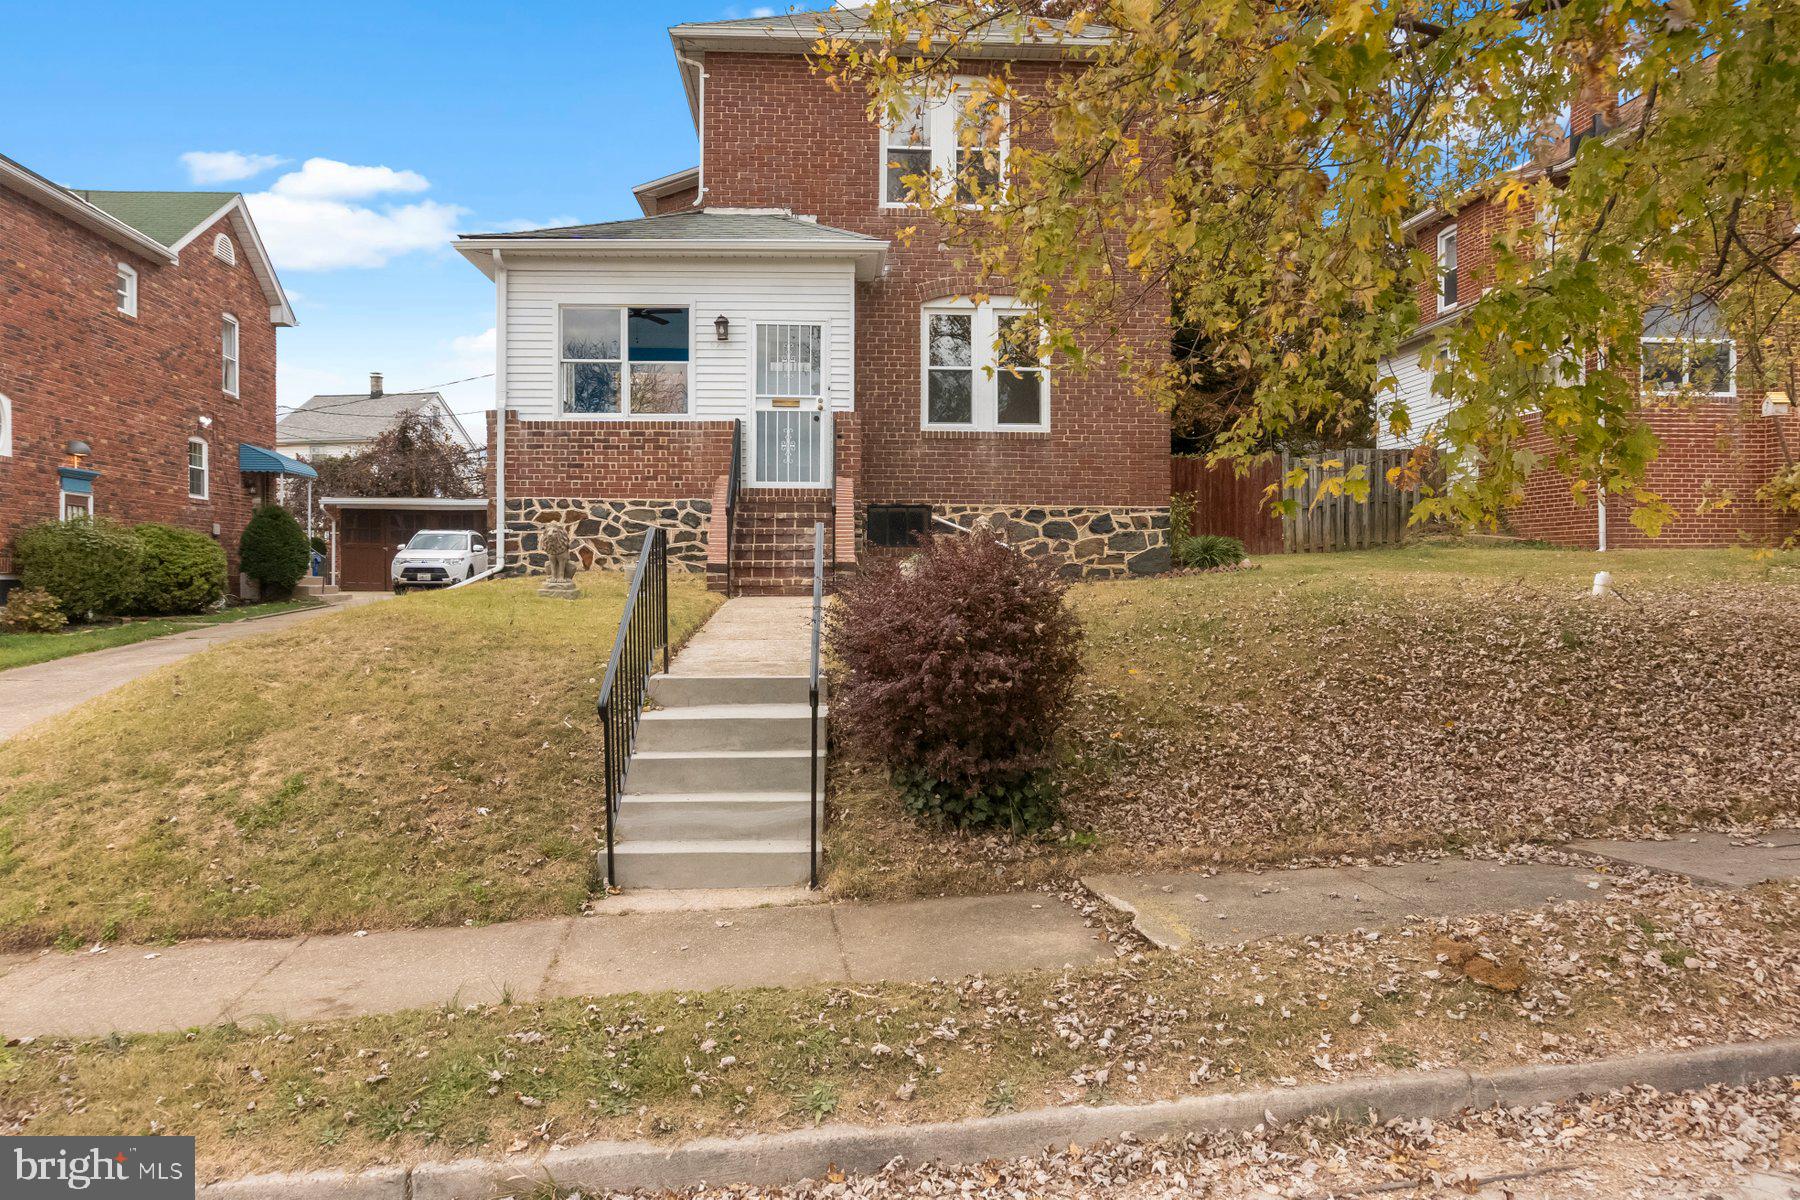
1719 440
766 302
137 359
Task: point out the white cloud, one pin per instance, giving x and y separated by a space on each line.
223 166
477 347
328 179
309 222
519 224
329 235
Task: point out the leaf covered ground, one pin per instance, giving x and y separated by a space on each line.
427 760
1654 964
1391 701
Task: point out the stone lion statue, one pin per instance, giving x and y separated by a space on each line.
559 546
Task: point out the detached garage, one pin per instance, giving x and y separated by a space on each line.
366 532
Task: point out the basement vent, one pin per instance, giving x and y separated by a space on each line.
897 524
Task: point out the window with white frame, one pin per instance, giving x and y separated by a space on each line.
125 286
956 140
5 427
196 467
223 250
1687 351
75 504
1446 269
228 355
983 367
624 361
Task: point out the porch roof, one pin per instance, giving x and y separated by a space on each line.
713 231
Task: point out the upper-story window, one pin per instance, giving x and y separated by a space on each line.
223 250
1688 351
956 140
623 361
5 427
125 286
198 476
983 367
228 355
1446 269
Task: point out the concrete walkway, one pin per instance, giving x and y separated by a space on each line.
36 693
145 989
751 635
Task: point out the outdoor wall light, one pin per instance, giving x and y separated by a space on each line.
78 449
722 325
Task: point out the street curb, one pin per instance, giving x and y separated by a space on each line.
777 1158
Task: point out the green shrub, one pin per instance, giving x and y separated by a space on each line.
183 571
1207 551
273 550
90 565
32 610
956 668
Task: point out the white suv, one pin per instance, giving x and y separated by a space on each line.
438 558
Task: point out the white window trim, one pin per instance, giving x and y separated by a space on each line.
128 305
624 361
943 117
205 492
1687 366
62 503
235 358
984 371
6 438
1448 233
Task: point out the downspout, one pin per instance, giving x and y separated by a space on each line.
1600 512
500 409
699 66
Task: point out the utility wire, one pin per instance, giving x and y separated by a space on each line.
350 400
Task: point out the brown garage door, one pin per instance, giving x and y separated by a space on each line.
369 537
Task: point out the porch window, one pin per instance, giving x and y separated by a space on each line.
1688 351
956 139
984 367
624 361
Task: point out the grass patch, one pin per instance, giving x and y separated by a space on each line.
25 649
425 761
1428 698
447 1082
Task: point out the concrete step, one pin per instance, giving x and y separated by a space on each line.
714 817
728 727
661 772
767 862
682 691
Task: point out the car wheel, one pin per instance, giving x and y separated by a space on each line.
399 589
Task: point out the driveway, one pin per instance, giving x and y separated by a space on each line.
36 693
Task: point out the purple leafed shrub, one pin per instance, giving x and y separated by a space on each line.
953 668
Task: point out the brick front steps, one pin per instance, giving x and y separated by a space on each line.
772 540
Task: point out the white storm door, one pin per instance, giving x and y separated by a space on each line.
790 425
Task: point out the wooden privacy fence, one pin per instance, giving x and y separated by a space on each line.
1238 506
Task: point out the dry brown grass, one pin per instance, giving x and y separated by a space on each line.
428 760
1396 701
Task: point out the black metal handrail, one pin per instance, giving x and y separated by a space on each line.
731 493
643 627
818 608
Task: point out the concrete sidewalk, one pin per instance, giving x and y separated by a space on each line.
144 989
36 693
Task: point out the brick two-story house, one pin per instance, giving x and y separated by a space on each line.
1721 437
765 312
137 359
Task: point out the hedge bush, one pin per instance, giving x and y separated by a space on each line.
954 668
183 571
91 565
32 610
1207 551
274 550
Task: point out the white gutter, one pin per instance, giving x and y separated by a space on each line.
499 411
84 213
699 66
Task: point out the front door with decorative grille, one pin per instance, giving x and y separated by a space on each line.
790 418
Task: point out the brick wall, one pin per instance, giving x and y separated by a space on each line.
778 135
645 459
132 388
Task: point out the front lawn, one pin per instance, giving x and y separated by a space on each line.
25 649
1423 698
429 760
1655 965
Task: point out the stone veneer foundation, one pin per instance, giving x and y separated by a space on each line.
1090 543
609 533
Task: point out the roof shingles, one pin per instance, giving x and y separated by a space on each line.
166 217
696 227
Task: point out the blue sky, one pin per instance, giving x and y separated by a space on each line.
484 117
